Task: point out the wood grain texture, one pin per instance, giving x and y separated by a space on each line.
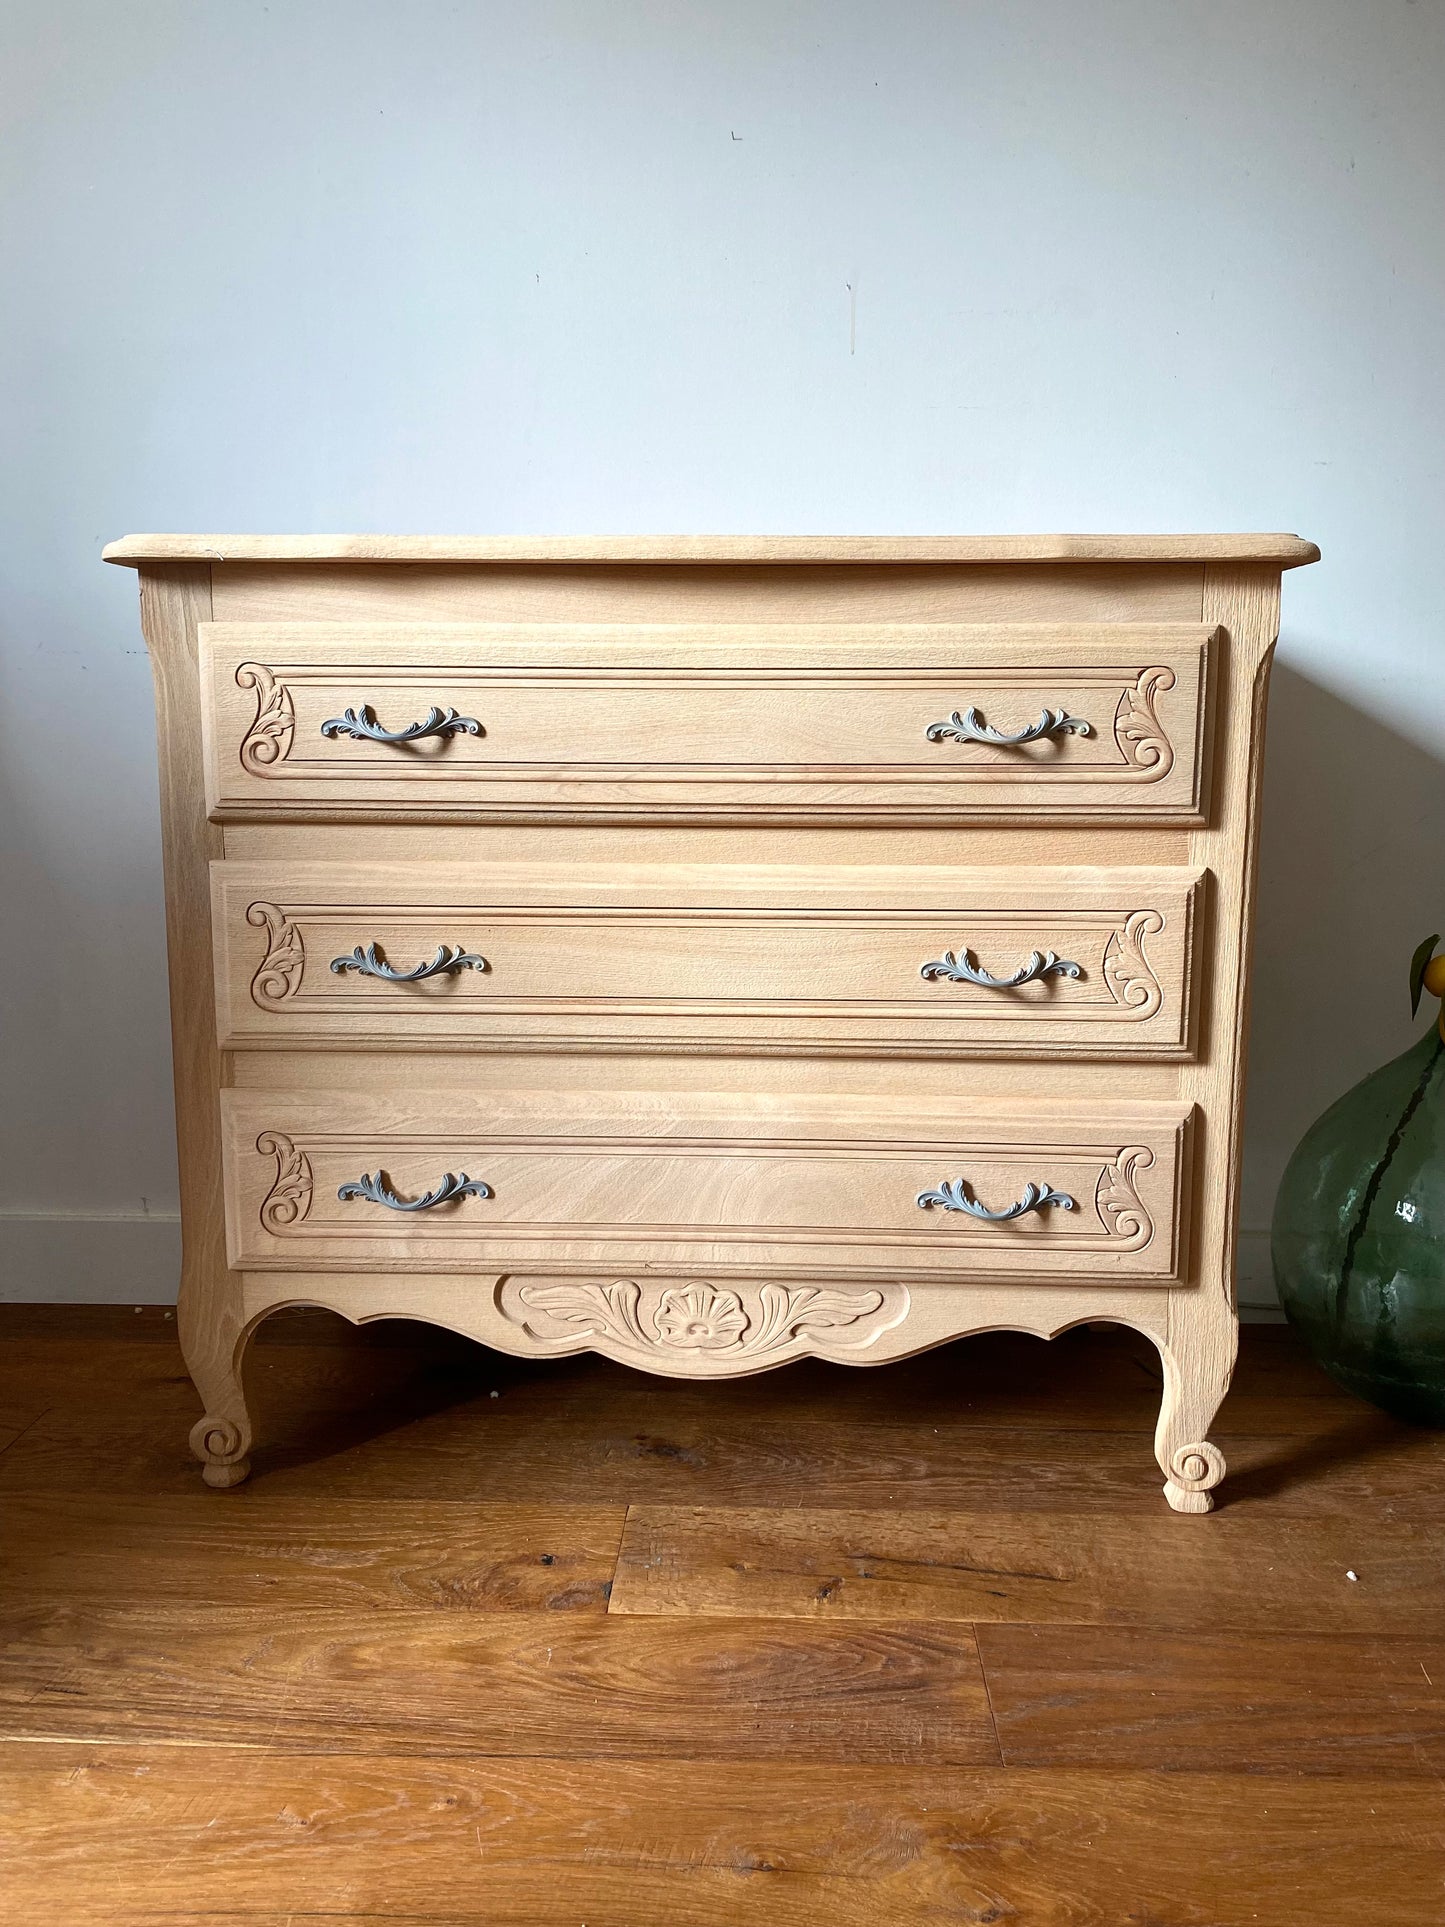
862 959
1289 551
1199 1700
351 1692
769 1188
772 686
175 600
139 1835
371 592
1275 1574
370 1555
683 723
405 1412
563 1684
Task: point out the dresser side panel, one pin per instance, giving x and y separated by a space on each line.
175 600
1246 602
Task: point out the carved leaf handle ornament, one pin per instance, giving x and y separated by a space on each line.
1116 1196
971 728
1127 973
1137 729
371 962
268 739
279 973
375 1188
965 969
953 1195
361 724
289 1199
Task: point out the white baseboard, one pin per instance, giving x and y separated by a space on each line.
79 1259
88 1259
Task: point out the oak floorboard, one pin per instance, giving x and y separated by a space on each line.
144 1836
563 1685
1205 1701
417 1442
255 1549
420 1421
1240 1571
1097 1379
352 1691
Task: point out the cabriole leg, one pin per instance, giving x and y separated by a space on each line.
1198 1357
214 1337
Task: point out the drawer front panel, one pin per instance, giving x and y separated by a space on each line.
564 1180
680 723
678 956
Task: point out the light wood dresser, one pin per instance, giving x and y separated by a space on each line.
712 951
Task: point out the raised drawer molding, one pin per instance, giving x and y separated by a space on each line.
712 951
839 958
687 722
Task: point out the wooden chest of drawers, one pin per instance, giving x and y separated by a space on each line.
711 952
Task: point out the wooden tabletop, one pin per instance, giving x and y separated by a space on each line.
1288 551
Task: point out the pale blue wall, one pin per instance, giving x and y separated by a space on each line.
736 266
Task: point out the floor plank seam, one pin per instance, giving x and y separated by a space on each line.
617 1557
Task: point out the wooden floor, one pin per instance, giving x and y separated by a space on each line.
485 1642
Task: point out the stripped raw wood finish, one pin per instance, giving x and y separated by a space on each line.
357 727
696 723
865 960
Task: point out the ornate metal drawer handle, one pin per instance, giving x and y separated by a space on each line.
362 722
374 1188
965 970
952 1195
971 728
372 963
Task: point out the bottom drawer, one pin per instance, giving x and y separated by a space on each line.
759 1185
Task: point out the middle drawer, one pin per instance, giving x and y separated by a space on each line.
922 961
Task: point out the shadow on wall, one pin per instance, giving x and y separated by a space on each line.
1352 876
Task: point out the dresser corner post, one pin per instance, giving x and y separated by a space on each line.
175 599
1197 1348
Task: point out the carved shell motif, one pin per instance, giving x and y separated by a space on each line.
278 975
268 740
1127 973
289 1199
1137 728
749 1322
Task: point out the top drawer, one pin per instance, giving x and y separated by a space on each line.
719 723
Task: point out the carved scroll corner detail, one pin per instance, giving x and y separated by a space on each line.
1122 1211
268 740
1128 973
1142 739
278 975
289 1199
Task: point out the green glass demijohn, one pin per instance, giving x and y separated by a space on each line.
1359 1227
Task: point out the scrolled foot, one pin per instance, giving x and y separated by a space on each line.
221 1446
1193 1471
222 1476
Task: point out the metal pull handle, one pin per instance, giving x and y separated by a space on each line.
966 970
971 728
373 1186
952 1195
371 962
361 722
